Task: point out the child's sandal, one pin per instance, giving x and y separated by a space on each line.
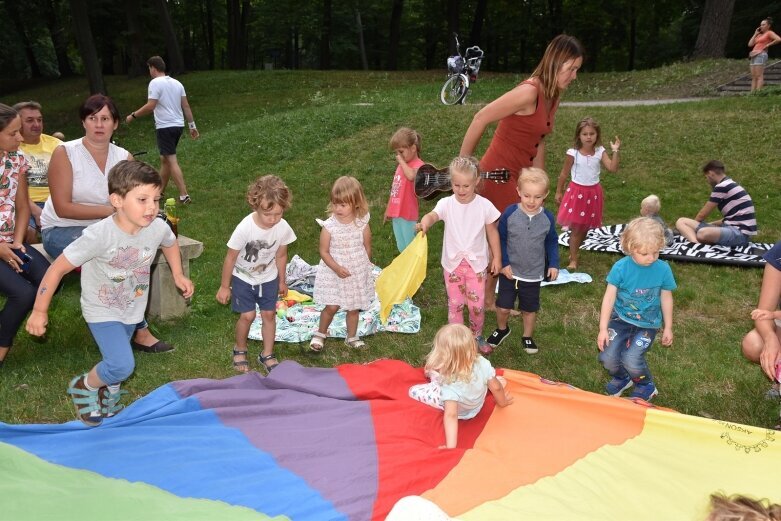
263 359
355 342
317 342
242 366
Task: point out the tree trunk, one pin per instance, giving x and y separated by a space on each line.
325 37
238 20
361 45
175 63
555 22
630 66
59 38
86 44
395 35
477 24
135 39
18 21
207 26
714 28
453 22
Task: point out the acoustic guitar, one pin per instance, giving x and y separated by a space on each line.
429 180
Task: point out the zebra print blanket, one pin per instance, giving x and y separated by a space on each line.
607 239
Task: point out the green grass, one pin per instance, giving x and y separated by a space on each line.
311 127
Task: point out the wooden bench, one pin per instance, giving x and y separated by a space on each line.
165 300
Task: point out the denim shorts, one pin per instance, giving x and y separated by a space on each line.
527 293
32 224
168 139
244 296
728 235
759 59
58 238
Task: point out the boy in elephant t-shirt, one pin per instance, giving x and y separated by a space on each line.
254 269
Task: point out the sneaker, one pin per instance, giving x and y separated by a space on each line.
86 402
497 336
109 402
529 346
484 347
644 391
616 386
185 199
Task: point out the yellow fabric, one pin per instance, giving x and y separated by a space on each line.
295 295
38 156
403 277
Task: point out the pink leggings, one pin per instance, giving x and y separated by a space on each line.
466 288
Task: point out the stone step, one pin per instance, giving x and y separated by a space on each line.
743 83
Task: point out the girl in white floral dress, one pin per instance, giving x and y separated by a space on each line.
344 279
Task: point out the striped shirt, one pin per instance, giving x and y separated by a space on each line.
735 205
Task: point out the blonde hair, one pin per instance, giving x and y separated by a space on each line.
405 137
587 122
348 190
535 176
650 205
742 508
561 49
453 354
268 191
466 165
642 232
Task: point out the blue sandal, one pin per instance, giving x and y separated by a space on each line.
86 402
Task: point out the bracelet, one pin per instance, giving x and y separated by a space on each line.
616 150
191 125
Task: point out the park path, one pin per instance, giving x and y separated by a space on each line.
630 103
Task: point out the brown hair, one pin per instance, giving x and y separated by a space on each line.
348 189
268 191
7 115
156 62
95 104
642 232
587 122
126 175
405 137
560 49
714 166
742 508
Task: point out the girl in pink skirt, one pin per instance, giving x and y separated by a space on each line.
581 204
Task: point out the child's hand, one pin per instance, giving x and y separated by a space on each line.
36 324
558 197
400 159
496 266
282 287
762 314
421 227
667 337
186 285
223 295
553 273
342 272
602 339
615 145
507 271
508 399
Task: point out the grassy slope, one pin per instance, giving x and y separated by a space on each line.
311 127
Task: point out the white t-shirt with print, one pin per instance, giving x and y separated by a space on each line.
258 249
465 236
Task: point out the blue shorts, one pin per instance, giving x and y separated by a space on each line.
527 293
759 59
32 224
244 296
728 235
168 139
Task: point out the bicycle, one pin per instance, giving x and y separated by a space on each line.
462 71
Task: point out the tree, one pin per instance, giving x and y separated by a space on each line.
135 39
714 28
238 20
394 35
175 63
325 36
89 55
59 37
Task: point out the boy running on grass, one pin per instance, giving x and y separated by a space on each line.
115 256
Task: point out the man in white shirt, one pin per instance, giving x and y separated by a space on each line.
168 101
37 147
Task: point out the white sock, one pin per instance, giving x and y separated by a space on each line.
88 386
113 389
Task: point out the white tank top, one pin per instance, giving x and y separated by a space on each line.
90 183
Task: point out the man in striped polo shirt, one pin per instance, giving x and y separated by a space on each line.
738 222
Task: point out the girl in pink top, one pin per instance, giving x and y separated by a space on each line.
762 38
470 231
403 204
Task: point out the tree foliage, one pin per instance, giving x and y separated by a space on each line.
356 34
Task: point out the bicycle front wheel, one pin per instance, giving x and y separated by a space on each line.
454 89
